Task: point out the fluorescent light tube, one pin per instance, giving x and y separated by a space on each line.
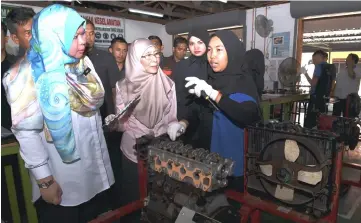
332 15
145 12
224 1
227 27
72 0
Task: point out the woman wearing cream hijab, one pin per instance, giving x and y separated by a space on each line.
153 114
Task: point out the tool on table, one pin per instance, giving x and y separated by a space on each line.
121 112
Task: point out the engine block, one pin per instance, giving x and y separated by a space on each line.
203 169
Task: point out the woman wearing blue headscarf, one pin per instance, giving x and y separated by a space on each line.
55 95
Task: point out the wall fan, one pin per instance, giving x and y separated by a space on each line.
263 26
289 73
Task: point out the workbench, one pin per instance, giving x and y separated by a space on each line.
285 100
17 206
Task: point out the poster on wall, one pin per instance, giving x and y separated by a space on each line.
280 45
106 28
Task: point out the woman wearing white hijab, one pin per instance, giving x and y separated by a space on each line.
155 112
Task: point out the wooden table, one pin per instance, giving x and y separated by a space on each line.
17 183
280 99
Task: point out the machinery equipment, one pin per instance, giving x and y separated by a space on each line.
291 172
348 132
291 165
346 129
179 183
197 166
184 180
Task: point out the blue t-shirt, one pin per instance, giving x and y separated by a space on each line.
228 138
317 73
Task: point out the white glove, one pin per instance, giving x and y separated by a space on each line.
110 118
201 85
176 129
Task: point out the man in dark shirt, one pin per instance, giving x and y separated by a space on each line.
7 61
180 45
107 70
119 48
19 22
157 42
319 85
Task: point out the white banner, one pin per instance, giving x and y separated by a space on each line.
106 28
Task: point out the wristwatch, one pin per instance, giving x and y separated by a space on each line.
46 185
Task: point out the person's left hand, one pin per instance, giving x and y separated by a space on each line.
198 86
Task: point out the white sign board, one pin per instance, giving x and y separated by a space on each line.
106 28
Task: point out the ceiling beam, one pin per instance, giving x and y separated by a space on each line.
96 11
144 4
249 4
166 7
144 8
257 4
193 6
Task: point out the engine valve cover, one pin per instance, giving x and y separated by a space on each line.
198 167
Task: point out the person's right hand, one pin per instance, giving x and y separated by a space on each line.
52 194
111 122
109 119
176 129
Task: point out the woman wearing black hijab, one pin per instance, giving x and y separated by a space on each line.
188 109
233 90
254 59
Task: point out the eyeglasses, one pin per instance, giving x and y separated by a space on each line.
149 56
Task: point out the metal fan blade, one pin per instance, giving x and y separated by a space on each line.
312 178
263 26
266 170
288 72
284 193
291 150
